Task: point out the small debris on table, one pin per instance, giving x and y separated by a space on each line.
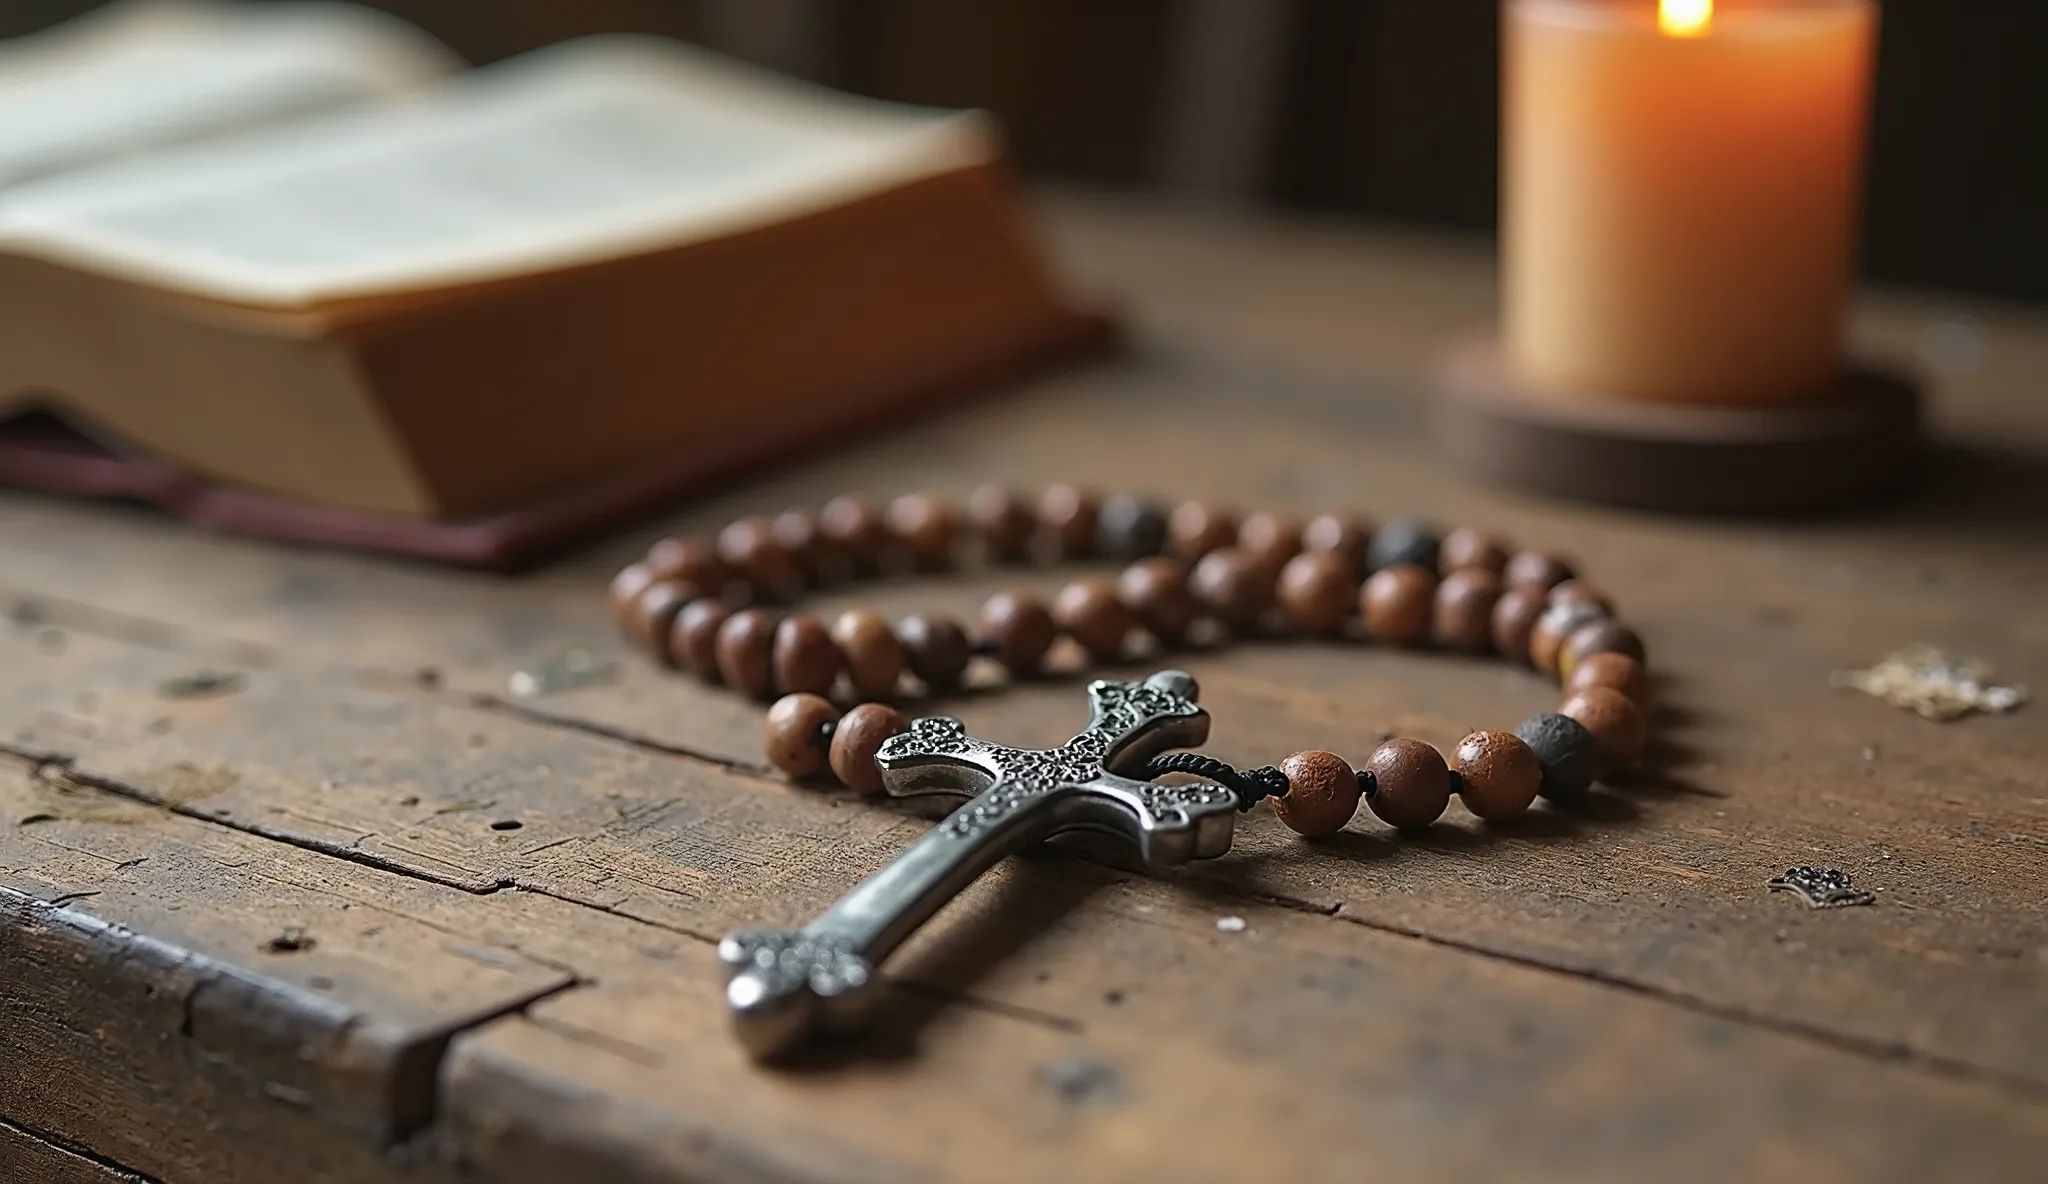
293 940
565 672
1821 887
1936 684
1078 1079
201 684
1231 924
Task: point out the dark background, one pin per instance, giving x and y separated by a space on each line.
1384 109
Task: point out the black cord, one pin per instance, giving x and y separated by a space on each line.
1250 785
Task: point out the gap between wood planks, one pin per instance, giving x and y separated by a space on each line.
61 1148
125 628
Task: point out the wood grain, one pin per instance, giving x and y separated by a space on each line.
1604 993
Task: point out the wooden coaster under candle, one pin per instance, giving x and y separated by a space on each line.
1679 195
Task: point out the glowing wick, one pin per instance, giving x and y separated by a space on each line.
1685 18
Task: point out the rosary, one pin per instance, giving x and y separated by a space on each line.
1196 568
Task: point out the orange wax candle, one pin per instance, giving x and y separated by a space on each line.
1679 193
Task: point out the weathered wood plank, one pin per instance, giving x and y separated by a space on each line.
27 1158
205 1005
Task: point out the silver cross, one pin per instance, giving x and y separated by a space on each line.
784 984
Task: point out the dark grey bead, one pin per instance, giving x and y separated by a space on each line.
1131 528
1403 542
1569 754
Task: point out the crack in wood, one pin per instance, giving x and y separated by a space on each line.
58 1147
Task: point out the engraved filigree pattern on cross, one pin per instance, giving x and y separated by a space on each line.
786 960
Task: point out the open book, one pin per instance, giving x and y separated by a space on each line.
290 248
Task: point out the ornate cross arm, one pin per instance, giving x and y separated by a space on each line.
785 984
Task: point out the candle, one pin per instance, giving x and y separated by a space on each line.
1679 194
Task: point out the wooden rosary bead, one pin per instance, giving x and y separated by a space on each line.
1514 618
937 650
693 638
1397 603
923 525
797 532
1322 793
1269 539
1089 612
1403 542
1002 521
853 527
749 549
652 614
1578 591
1022 630
1558 622
1616 722
859 736
1463 615
1130 528
1569 754
1318 589
804 656
1156 591
744 644
1197 528
625 590
692 560
1615 671
1535 569
1468 548
1414 784
874 658
1234 588
794 737
1340 535
1597 637
1498 773
1069 515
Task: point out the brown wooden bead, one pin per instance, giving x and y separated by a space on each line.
1156 590
1462 617
1342 535
860 734
1615 671
1319 590
1397 603
793 734
691 560
798 534
626 587
1616 722
1499 774
653 612
1413 783
1598 637
1232 587
1070 515
874 658
1322 793
853 527
749 549
1578 591
1465 547
1004 523
937 649
1270 539
1558 622
1514 616
804 656
743 647
923 525
1197 528
1089 612
1022 629
1536 569
693 638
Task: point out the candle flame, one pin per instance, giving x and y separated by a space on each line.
1685 18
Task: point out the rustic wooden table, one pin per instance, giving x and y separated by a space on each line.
363 916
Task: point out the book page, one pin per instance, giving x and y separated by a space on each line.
594 149
155 72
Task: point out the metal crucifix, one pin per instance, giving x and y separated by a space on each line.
785 984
